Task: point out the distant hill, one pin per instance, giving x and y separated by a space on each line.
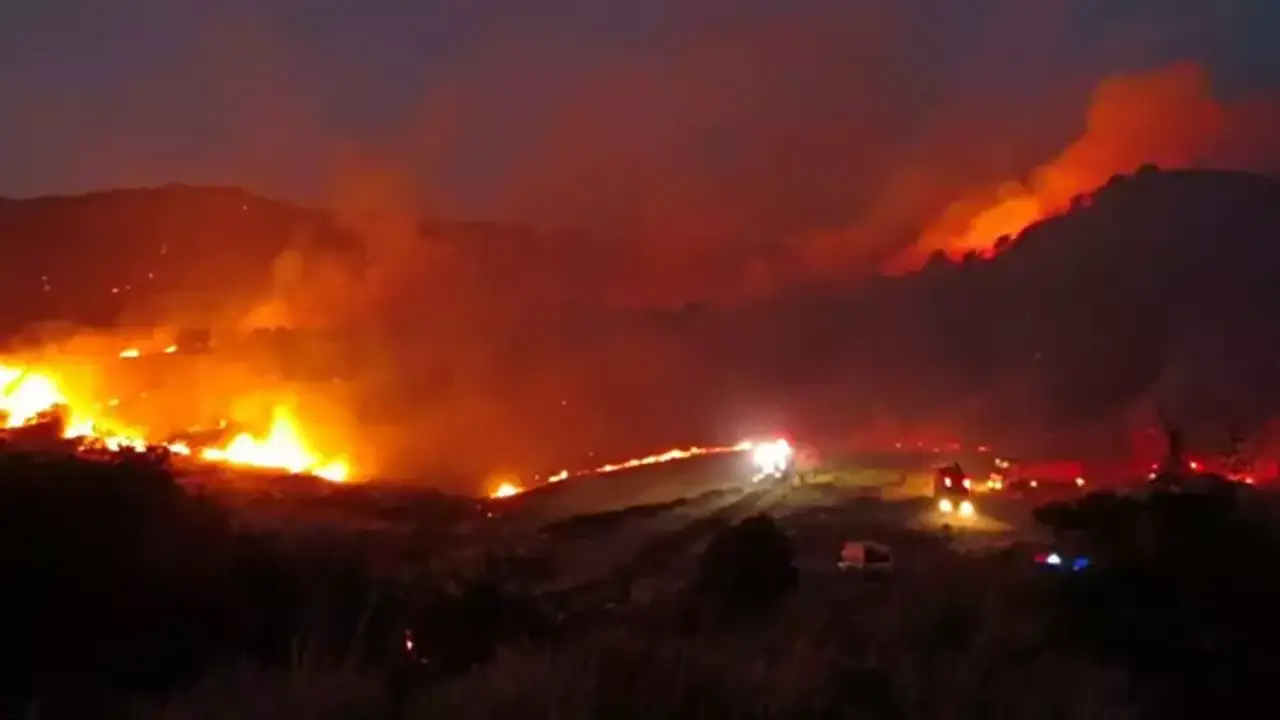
86 258
90 258
1159 290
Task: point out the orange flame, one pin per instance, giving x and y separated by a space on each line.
510 488
666 457
506 490
283 448
1166 117
26 394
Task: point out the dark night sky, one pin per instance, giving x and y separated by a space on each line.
266 94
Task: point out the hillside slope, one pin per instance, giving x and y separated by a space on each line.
1157 290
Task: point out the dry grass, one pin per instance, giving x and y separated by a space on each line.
624 675
255 693
957 645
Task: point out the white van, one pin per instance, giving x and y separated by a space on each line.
866 556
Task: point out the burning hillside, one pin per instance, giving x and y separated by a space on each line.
33 397
942 348
1167 118
465 347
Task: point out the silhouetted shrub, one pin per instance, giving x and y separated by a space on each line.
117 581
748 566
1183 591
113 576
455 630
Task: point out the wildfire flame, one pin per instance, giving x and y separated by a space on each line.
509 489
283 448
506 490
24 395
666 457
1167 117
27 395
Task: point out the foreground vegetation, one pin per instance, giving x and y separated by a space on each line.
127 597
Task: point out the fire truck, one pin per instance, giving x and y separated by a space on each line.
953 490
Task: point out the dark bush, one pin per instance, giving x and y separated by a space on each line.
117 581
1183 592
456 629
748 566
114 577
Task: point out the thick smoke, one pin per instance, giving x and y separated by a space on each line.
484 354
713 163
466 355
1167 117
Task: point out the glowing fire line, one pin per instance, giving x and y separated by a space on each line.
509 488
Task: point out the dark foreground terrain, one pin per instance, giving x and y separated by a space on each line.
127 595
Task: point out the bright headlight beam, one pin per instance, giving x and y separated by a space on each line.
771 458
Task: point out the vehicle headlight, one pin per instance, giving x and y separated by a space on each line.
944 505
966 508
771 458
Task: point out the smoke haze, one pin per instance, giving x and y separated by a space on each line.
712 158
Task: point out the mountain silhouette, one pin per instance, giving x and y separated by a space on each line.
1156 291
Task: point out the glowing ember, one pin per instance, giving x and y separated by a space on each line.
131 353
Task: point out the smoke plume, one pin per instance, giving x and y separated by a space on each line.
1166 117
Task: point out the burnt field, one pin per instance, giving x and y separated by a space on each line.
247 596
619 538
590 524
